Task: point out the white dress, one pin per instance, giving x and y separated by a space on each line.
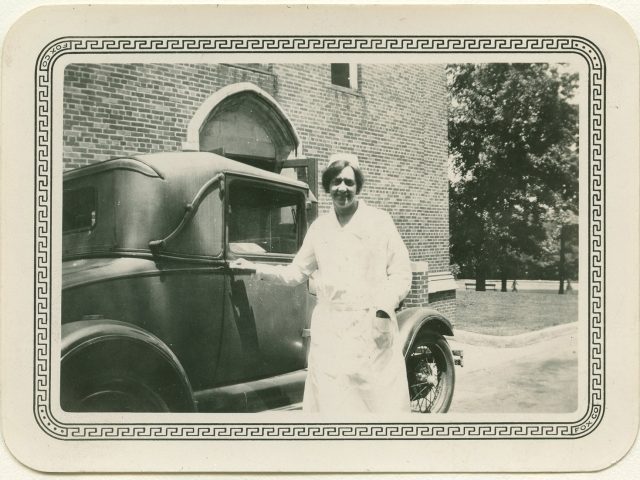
355 359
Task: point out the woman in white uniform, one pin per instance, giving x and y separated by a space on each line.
362 273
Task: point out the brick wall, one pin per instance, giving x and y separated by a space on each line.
445 303
419 294
120 109
395 122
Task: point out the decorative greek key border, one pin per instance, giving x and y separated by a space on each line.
199 430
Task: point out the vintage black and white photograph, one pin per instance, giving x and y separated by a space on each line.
354 241
325 237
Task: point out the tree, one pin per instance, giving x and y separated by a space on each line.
513 157
560 249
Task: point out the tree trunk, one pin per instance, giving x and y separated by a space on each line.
503 279
481 277
561 266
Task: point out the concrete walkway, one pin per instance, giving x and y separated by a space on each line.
506 341
530 373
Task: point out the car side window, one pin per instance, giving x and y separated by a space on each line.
263 220
79 209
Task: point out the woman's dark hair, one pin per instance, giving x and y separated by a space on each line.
335 168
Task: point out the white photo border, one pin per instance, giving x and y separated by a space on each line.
198 430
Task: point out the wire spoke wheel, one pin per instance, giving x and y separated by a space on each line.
430 372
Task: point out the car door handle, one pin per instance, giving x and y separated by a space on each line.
306 332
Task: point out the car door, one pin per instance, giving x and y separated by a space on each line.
265 323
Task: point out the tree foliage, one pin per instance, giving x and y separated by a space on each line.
513 157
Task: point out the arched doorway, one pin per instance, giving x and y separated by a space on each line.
243 122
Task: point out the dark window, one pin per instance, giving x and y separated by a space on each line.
340 75
79 209
263 220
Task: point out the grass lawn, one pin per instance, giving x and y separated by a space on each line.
511 313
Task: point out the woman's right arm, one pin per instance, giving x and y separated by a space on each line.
303 265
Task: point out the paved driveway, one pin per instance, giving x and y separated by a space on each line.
536 377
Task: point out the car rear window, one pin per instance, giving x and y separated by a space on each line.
79 209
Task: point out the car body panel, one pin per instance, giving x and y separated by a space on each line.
146 357
263 334
83 333
223 329
272 393
413 320
182 306
265 322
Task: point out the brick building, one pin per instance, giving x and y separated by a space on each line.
393 116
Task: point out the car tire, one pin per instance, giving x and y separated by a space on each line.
430 373
120 376
112 394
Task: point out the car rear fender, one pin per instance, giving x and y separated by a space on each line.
412 320
79 337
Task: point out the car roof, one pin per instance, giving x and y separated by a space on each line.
175 165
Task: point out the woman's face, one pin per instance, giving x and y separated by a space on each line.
343 190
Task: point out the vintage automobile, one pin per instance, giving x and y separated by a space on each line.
155 320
